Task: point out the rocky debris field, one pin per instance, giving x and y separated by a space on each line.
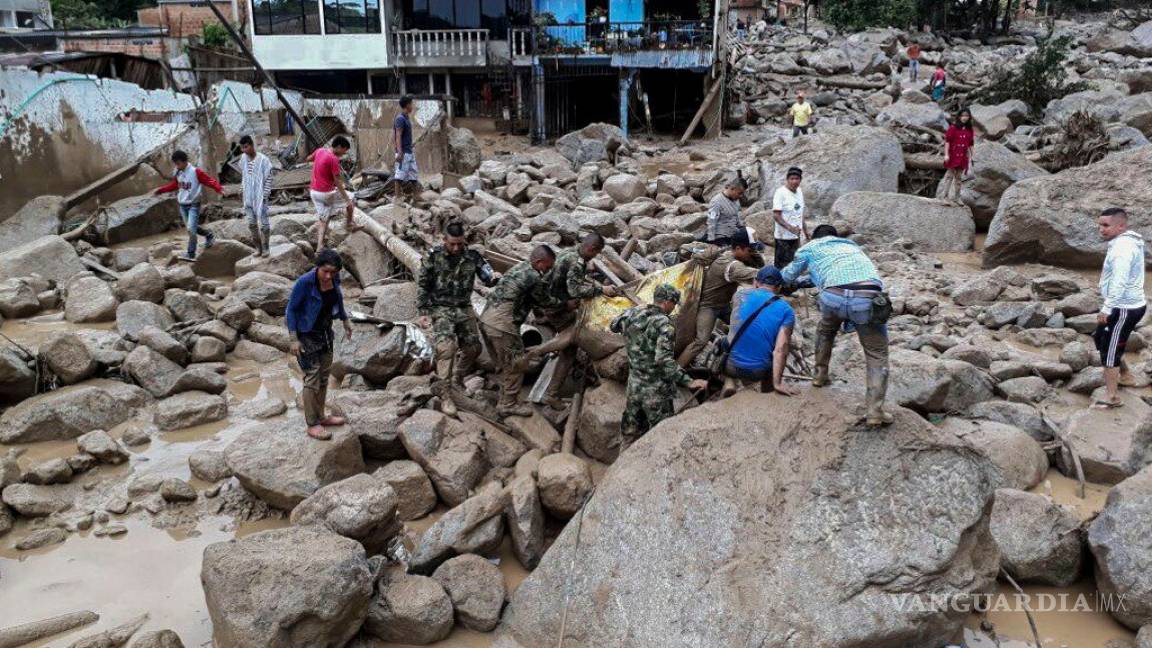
143 392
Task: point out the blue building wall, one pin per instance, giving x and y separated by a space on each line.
625 11
566 11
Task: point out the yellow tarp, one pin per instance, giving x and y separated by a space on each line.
597 314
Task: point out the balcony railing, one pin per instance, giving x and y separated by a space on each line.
441 46
612 37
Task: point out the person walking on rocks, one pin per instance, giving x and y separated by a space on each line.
568 286
188 183
801 113
256 181
518 291
406 175
958 140
315 301
724 218
653 373
327 188
444 302
939 81
725 271
788 212
1122 288
763 323
851 295
914 61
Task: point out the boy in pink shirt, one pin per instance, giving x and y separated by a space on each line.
327 188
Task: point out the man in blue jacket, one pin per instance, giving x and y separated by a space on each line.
316 300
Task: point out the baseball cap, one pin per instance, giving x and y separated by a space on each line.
770 276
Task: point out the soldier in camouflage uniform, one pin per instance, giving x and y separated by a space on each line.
653 373
444 300
568 286
523 288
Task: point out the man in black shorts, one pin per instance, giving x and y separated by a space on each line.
1122 288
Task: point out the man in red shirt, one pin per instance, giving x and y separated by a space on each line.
914 61
327 188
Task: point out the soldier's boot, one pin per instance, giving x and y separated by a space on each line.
254 230
513 408
465 363
266 241
877 387
823 357
554 401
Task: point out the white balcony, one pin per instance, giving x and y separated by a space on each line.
440 47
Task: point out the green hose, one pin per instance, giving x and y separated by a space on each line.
24 104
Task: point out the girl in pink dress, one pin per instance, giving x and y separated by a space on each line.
957 154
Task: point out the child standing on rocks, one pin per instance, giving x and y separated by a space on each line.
188 182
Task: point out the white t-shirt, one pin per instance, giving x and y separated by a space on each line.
791 208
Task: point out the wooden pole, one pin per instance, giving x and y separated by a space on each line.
704 105
568 442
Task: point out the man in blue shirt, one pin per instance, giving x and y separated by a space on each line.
848 284
764 323
406 176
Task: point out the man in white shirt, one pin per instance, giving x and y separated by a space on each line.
256 180
1122 287
788 212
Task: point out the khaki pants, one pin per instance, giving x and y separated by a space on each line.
457 342
507 349
316 389
705 321
834 311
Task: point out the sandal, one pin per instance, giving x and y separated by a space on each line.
1107 405
333 421
319 433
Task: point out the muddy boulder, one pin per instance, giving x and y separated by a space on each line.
52 257
69 412
90 300
928 384
39 217
564 481
994 169
281 465
300 587
1120 541
452 455
525 519
142 282
18 299
414 493
1039 541
263 290
361 507
189 409
932 225
1019 459
409 610
733 547
473 527
133 316
379 355
68 358
476 588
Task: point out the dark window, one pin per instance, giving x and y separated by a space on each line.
25 19
285 17
351 16
493 15
467 14
441 14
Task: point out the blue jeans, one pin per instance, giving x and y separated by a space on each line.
853 313
190 214
913 70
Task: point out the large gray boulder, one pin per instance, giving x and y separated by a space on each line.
473 527
361 507
68 358
932 225
451 454
1039 541
90 300
1121 543
286 260
525 518
378 355
920 115
464 153
409 610
189 409
69 412
300 587
598 431
589 144
263 290
137 217
132 317
994 168
18 299
1019 459
1112 445
18 380
926 384
737 546
837 160
39 217
476 588
50 256
283 466
220 259
1052 218
142 282
414 493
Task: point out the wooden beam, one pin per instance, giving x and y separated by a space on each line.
704 105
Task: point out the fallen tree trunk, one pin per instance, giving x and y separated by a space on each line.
851 83
27 633
618 264
403 252
923 161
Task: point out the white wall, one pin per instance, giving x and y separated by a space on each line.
321 52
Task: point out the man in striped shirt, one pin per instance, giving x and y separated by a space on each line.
256 179
848 284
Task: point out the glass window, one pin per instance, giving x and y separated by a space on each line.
467 14
262 16
332 17
25 19
441 14
494 17
285 17
351 16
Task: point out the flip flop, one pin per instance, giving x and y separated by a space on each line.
319 433
333 420
1107 405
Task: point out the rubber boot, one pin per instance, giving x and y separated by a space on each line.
823 357
513 409
443 390
877 388
266 241
254 230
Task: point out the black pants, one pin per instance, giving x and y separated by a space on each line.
785 252
1112 337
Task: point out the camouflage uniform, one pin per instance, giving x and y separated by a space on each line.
722 276
567 282
509 303
653 373
445 295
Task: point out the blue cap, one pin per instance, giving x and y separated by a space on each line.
770 276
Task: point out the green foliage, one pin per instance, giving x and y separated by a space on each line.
98 14
214 35
1038 80
855 15
705 8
